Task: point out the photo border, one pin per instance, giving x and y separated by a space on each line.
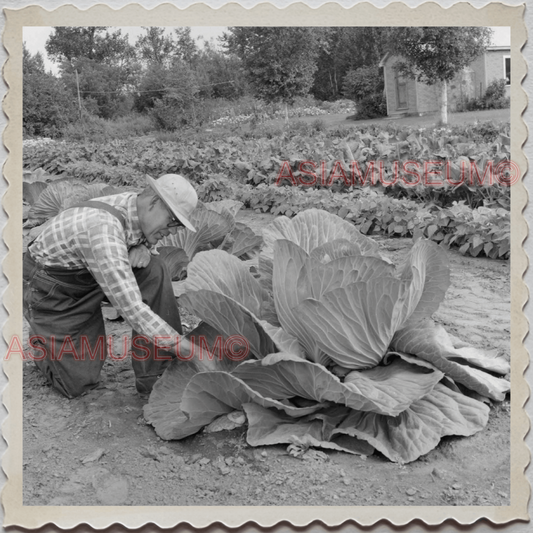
396 14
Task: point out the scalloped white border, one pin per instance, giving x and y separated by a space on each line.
298 13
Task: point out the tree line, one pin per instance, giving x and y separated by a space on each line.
172 79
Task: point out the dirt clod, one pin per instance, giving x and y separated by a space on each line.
112 490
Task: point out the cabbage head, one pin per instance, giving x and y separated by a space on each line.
341 350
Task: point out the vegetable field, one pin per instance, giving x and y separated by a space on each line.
374 320
82 450
472 216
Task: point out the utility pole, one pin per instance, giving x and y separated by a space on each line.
78 86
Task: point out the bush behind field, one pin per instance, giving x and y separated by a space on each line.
161 122
96 128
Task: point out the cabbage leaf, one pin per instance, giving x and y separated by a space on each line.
385 389
418 429
430 341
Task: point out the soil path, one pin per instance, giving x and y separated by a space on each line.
98 450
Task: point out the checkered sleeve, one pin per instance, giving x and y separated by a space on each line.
104 249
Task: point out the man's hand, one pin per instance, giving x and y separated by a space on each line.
139 256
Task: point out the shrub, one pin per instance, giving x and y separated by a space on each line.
96 128
362 83
365 85
372 106
319 125
496 89
495 95
494 98
306 101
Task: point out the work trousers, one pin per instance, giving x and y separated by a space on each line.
67 333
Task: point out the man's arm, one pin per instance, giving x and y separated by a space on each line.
106 254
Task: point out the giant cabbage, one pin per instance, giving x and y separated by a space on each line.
343 353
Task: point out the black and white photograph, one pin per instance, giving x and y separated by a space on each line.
269 266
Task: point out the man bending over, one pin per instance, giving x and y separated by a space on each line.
96 250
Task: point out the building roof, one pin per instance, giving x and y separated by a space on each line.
498 48
384 59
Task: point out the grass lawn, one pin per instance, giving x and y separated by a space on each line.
332 121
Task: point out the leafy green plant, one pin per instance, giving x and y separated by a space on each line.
482 231
341 349
215 228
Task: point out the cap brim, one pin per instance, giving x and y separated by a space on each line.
178 215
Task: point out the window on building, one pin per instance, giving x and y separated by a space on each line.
507 69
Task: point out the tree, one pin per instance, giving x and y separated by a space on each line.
223 73
436 54
151 87
32 64
186 49
102 63
346 48
279 62
168 86
155 46
47 106
179 104
96 43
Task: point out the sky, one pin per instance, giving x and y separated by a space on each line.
35 37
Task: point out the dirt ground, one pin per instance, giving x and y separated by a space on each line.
98 449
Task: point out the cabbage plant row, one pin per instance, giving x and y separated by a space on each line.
342 351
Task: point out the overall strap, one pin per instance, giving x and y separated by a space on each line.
106 207
96 205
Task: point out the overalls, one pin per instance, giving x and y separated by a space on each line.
60 303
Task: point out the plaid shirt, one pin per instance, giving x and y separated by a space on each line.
96 240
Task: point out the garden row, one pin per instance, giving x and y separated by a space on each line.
476 232
471 215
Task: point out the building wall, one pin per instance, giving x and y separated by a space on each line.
495 66
391 90
478 66
468 84
412 95
423 98
428 98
